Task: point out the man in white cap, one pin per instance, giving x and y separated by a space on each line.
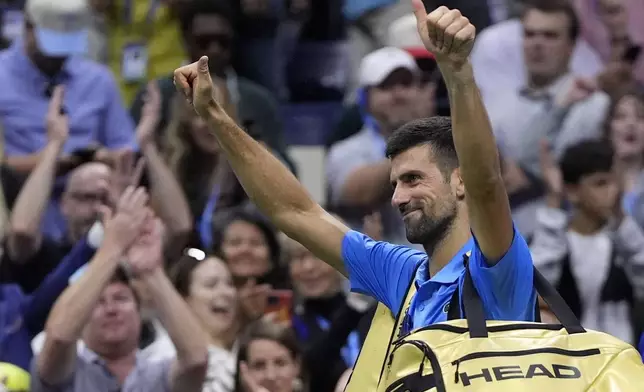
357 169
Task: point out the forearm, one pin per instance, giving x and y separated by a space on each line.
31 203
74 307
473 138
70 315
55 283
172 205
367 185
268 183
185 331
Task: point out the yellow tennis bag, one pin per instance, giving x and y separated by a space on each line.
479 356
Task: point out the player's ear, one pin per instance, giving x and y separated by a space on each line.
458 187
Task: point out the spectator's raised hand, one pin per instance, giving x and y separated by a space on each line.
446 33
124 174
551 175
124 224
194 82
57 121
249 384
150 115
580 89
146 254
253 299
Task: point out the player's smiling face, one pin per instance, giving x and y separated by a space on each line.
425 197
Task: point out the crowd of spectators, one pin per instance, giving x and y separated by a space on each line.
132 259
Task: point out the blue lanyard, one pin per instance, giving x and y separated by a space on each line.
205 220
349 352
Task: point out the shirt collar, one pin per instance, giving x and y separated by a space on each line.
550 91
449 273
92 357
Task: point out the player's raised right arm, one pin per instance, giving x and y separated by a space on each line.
268 183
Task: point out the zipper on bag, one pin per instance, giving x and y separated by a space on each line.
520 353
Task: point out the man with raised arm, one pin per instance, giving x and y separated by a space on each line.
447 186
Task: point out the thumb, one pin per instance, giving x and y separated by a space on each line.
202 66
419 11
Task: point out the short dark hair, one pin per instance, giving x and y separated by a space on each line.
194 8
586 158
556 6
435 132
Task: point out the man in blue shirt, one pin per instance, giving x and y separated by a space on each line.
446 183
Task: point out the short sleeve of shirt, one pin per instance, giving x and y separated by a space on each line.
506 288
379 269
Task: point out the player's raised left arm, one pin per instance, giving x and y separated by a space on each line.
450 36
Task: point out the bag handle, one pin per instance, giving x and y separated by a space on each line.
475 315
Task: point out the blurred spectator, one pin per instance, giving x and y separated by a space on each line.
327 319
595 257
249 246
641 346
47 57
613 27
270 359
357 169
625 132
554 105
498 55
169 200
268 31
23 316
102 308
368 21
402 34
31 253
207 180
207 287
143 40
207 28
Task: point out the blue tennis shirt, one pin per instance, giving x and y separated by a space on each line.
384 271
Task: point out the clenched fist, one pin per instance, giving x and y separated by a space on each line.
194 82
446 33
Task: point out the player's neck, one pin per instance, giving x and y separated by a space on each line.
454 240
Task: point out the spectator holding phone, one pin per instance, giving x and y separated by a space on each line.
249 246
614 29
206 285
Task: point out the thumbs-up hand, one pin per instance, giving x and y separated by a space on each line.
194 82
446 33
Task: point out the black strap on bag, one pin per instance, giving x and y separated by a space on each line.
475 315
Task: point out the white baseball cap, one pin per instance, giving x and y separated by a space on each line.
61 26
377 65
403 33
